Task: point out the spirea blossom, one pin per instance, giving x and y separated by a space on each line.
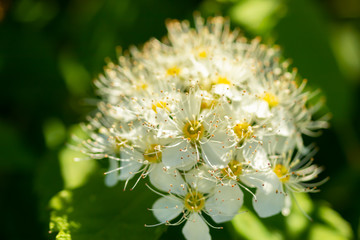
204 117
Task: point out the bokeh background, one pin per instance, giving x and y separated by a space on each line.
51 50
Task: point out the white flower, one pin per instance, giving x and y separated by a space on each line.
289 173
203 114
194 135
143 156
221 203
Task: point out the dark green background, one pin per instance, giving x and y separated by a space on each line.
50 51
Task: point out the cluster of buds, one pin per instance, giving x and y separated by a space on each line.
205 115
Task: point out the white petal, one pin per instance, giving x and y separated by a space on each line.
180 156
258 107
195 228
112 178
266 180
190 107
221 89
167 208
216 154
255 154
280 144
283 122
287 208
270 197
129 167
225 203
201 179
167 180
284 144
268 205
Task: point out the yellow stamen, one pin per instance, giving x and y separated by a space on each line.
194 201
193 130
242 130
207 104
282 172
271 99
160 104
234 168
223 80
202 54
173 71
141 86
153 153
118 144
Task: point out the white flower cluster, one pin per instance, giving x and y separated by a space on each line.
204 115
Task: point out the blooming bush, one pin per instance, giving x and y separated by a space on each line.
205 116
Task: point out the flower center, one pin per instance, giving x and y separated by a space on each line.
223 80
235 168
173 71
153 153
271 99
207 104
194 201
193 130
202 54
141 86
282 172
118 144
160 104
243 130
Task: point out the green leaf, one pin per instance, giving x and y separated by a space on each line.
75 173
319 231
257 16
325 223
15 155
54 132
303 34
335 221
95 211
250 226
87 209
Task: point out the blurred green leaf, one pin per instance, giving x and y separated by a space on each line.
304 36
75 173
346 44
325 222
257 16
297 223
335 221
16 155
250 226
76 77
95 211
319 231
54 132
87 209
35 11
59 216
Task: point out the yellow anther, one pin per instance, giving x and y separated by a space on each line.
202 54
282 172
234 168
160 104
271 99
207 104
223 80
193 130
153 153
243 130
141 86
194 201
118 144
173 71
